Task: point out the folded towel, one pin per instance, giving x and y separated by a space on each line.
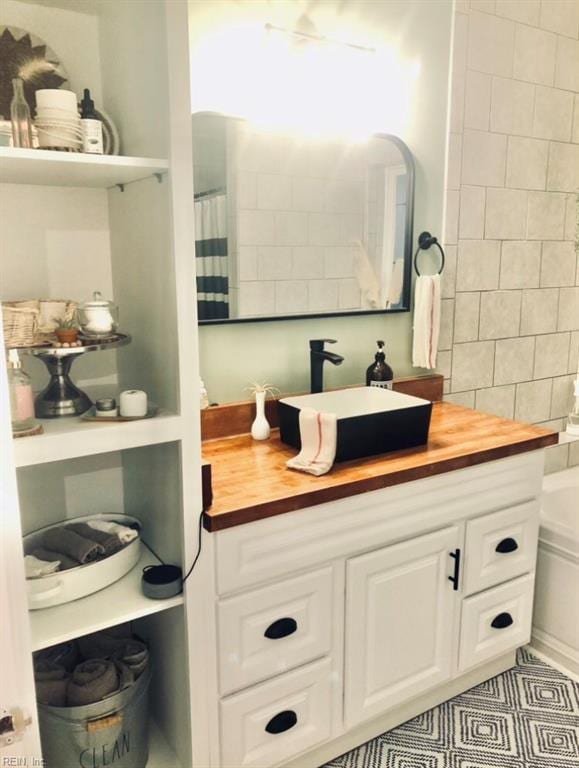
108 541
70 543
42 553
35 568
426 321
51 680
136 656
92 681
125 534
64 654
318 434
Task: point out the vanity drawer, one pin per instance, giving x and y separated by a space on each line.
273 629
501 546
274 721
496 621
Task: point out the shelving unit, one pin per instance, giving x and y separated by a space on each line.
122 601
71 437
66 230
69 169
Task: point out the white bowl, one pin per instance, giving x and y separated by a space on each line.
56 98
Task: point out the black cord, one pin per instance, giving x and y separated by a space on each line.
199 542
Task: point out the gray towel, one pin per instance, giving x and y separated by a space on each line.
108 541
51 681
128 651
47 554
65 654
92 681
80 549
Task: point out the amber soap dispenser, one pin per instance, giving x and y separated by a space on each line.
380 374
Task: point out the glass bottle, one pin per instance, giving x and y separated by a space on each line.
20 116
380 374
21 398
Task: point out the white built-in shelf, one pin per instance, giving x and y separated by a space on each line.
71 169
160 753
71 437
122 601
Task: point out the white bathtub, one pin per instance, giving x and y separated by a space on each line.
556 612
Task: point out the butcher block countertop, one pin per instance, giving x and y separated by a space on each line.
250 480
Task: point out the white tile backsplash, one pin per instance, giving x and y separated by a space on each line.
553 114
539 311
490 44
563 175
500 314
535 52
527 163
484 158
558 264
478 265
567 64
546 216
525 11
274 192
472 213
291 297
506 214
551 352
323 295
560 16
477 105
512 107
520 264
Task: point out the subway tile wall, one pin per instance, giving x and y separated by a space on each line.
510 312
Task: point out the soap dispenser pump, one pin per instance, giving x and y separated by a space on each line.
380 374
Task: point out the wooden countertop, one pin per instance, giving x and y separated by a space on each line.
251 482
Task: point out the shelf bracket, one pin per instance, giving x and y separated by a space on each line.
159 177
121 187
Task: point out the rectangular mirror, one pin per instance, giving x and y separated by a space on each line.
290 227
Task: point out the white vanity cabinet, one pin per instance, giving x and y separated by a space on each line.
381 605
401 614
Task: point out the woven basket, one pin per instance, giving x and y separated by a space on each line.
20 323
29 323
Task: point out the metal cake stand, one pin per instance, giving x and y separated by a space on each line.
61 397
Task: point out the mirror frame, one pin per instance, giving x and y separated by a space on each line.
408 247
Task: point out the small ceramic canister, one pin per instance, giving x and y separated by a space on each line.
133 403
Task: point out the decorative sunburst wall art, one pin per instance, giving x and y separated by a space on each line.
26 56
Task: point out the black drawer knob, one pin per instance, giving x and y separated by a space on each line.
281 722
281 628
502 621
506 545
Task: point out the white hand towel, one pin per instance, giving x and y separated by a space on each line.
34 567
318 433
125 534
426 321
366 277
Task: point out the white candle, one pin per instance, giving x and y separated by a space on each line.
133 402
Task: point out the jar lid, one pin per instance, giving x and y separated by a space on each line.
106 404
97 301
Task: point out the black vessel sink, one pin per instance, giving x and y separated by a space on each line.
371 420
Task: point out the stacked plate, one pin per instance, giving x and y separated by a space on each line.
57 120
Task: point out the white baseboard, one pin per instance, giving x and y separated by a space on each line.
551 652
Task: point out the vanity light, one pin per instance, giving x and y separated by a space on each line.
317 38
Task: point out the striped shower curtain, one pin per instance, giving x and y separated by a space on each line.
211 256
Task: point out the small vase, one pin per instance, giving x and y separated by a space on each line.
260 429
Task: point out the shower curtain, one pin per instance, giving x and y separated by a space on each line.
211 258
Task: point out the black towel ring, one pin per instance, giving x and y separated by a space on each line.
425 241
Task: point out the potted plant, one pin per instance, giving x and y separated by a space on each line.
66 330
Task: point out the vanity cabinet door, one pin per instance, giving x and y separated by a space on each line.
401 611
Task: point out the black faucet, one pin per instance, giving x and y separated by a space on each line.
318 355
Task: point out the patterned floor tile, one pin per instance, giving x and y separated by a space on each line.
526 718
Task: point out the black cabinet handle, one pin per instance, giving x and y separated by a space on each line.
502 621
506 546
281 722
281 628
455 577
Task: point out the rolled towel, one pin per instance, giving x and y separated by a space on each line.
34 567
51 681
65 654
135 655
426 321
318 435
62 540
47 554
125 534
92 681
108 541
